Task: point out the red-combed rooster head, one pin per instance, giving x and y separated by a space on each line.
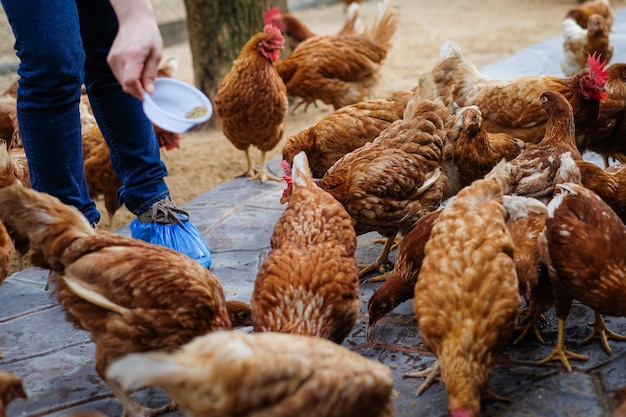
273 17
288 179
273 43
592 84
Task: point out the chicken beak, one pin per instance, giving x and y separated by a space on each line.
370 333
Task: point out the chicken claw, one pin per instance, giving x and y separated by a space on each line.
528 322
380 264
560 352
432 373
603 333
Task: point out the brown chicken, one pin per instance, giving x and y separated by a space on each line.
400 284
466 298
388 184
511 106
537 166
233 374
130 295
11 388
620 402
477 151
609 184
339 70
308 284
8 111
579 43
584 248
345 130
582 12
252 99
526 223
296 31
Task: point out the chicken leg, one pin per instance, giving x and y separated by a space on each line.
603 333
132 408
432 373
528 322
381 263
560 352
262 174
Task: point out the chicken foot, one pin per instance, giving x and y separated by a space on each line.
528 322
261 174
380 264
603 333
432 373
560 352
132 408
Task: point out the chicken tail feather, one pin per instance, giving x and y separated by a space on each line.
138 370
90 295
49 225
385 25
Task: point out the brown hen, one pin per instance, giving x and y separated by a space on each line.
400 284
11 388
251 100
339 70
466 298
388 184
579 43
584 248
510 106
308 284
477 151
232 374
535 169
344 130
609 184
296 31
130 295
582 12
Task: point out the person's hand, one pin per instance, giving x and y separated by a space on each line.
137 49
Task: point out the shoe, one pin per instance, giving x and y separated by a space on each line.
166 225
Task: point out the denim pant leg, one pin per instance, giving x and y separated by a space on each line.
51 56
134 147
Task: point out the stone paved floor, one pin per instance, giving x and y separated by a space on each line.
237 219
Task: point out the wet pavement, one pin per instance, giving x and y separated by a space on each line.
237 218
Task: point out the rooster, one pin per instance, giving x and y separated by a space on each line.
510 106
339 70
466 298
345 130
130 295
579 43
251 100
232 374
477 151
308 284
584 248
388 184
296 32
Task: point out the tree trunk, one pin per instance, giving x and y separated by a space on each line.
218 29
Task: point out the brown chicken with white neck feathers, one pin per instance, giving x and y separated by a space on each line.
388 184
477 151
466 298
344 130
537 166
130 295
579 43
308 284
584 248
510 106
233 374
339 70
251 99
11 388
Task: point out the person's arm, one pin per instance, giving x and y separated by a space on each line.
137 49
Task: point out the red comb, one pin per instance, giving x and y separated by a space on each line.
270 14
273 32
597 68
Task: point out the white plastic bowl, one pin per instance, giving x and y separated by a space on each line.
171 101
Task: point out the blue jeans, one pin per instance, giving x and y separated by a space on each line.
63 44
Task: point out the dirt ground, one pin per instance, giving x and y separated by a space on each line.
486 30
